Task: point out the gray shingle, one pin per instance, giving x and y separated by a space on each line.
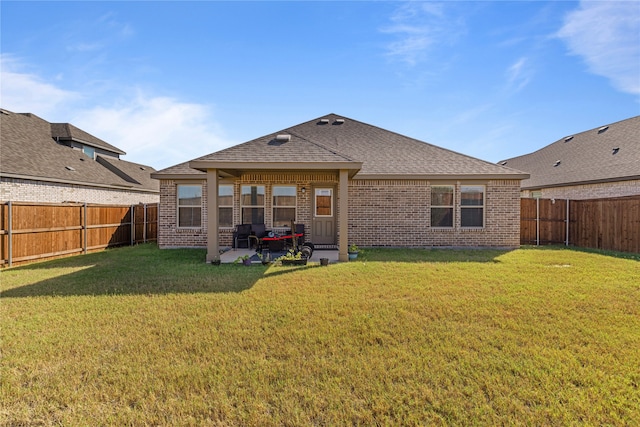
586 157
335 138
30 151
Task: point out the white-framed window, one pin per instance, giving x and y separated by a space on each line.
284 205
442 206
252 204
225 205
189 205
472 206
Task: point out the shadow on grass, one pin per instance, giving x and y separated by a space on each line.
139 270
614 254
431 255
147 270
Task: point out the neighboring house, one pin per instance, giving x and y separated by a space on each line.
57 162
599 163
347 182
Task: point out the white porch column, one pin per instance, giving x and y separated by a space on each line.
343 218
213 252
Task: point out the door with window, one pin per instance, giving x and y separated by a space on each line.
323 227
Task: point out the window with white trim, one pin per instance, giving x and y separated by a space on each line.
442 206
189 206
225 205
252 204
472 206
284 205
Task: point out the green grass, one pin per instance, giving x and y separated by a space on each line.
139 336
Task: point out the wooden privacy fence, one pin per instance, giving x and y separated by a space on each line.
34 231
611 224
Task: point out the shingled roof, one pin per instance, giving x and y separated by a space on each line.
67 131
30 151
340 142
603 154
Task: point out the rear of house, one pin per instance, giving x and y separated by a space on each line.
347 182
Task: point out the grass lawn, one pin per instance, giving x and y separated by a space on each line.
139 336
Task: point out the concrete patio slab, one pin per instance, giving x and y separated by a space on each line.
232 255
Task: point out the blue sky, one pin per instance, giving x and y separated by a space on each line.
171 81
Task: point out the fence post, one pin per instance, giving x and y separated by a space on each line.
10 235
538 221
144 223
133 225
84 228
566 242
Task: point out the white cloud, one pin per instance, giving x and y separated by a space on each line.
153 130
519 74
23 92
157 131
607 36
417 26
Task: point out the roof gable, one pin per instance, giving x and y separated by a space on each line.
605 153
341 142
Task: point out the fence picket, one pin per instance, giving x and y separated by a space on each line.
610 224
32 231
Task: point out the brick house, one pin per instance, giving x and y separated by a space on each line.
46 162
599 163
347 182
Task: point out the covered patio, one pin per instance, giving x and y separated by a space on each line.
217 171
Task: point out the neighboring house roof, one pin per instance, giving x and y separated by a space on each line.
603 154
67 131
337 142
30 151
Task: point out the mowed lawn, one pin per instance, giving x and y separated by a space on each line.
138 336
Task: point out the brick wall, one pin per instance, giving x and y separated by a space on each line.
23 190
381 213
589 191
396 213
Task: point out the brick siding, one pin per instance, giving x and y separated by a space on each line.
392 213
588 191
24 190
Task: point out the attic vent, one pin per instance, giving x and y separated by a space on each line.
69 168
557 163
323 122
283 138
142 169
338 121
569 138
615 150
503 163
603 129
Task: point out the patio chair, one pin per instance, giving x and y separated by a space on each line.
242 233
258 231
299 228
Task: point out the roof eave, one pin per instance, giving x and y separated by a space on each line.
234 168
83 183
444 176
569 184
174 176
